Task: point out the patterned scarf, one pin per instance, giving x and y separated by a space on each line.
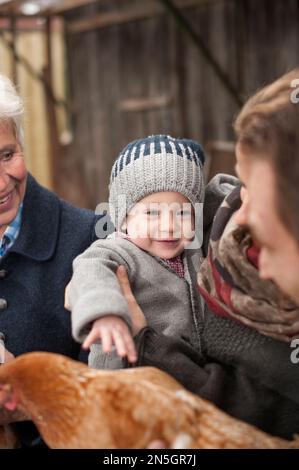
229 280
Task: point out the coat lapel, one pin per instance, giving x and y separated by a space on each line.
40 223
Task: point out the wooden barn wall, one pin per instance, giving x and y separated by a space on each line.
255 41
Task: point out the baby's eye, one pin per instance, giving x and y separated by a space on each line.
152 212
184 213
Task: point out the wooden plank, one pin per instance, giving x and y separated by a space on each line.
176 81
65 5
157 78
127 14
196 94
109 95
32 47
9 6
222 158
28 24
134 78
285 24
54 146
102 96
145 103
74 168
14 6
84 104
207 111
13 50
6 63
222 40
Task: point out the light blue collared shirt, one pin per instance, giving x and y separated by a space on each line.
11 233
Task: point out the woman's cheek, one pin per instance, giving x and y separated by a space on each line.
19 168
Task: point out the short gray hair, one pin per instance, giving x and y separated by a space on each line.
11 107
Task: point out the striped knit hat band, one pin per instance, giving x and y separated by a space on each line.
154 164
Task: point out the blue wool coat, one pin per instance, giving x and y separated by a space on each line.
34 273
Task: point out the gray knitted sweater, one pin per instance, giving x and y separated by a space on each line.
171 305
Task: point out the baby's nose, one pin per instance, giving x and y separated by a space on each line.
166 222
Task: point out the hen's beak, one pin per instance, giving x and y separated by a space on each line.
8 397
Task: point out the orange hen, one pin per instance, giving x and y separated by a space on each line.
74 406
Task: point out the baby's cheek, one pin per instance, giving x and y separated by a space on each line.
142 242
187 230
137 230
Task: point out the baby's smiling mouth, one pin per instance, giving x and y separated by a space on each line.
167 241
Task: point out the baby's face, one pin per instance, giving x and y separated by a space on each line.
162 224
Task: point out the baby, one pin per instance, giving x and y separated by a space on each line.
156 193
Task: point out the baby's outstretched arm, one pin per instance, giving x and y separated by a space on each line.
112 331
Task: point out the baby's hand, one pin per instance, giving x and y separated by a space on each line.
112 330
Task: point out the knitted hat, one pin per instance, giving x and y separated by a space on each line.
154 164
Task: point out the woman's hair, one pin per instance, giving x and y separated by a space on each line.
11 107
268 127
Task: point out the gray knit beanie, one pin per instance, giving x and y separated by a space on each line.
154 164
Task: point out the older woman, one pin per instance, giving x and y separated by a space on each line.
40 235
